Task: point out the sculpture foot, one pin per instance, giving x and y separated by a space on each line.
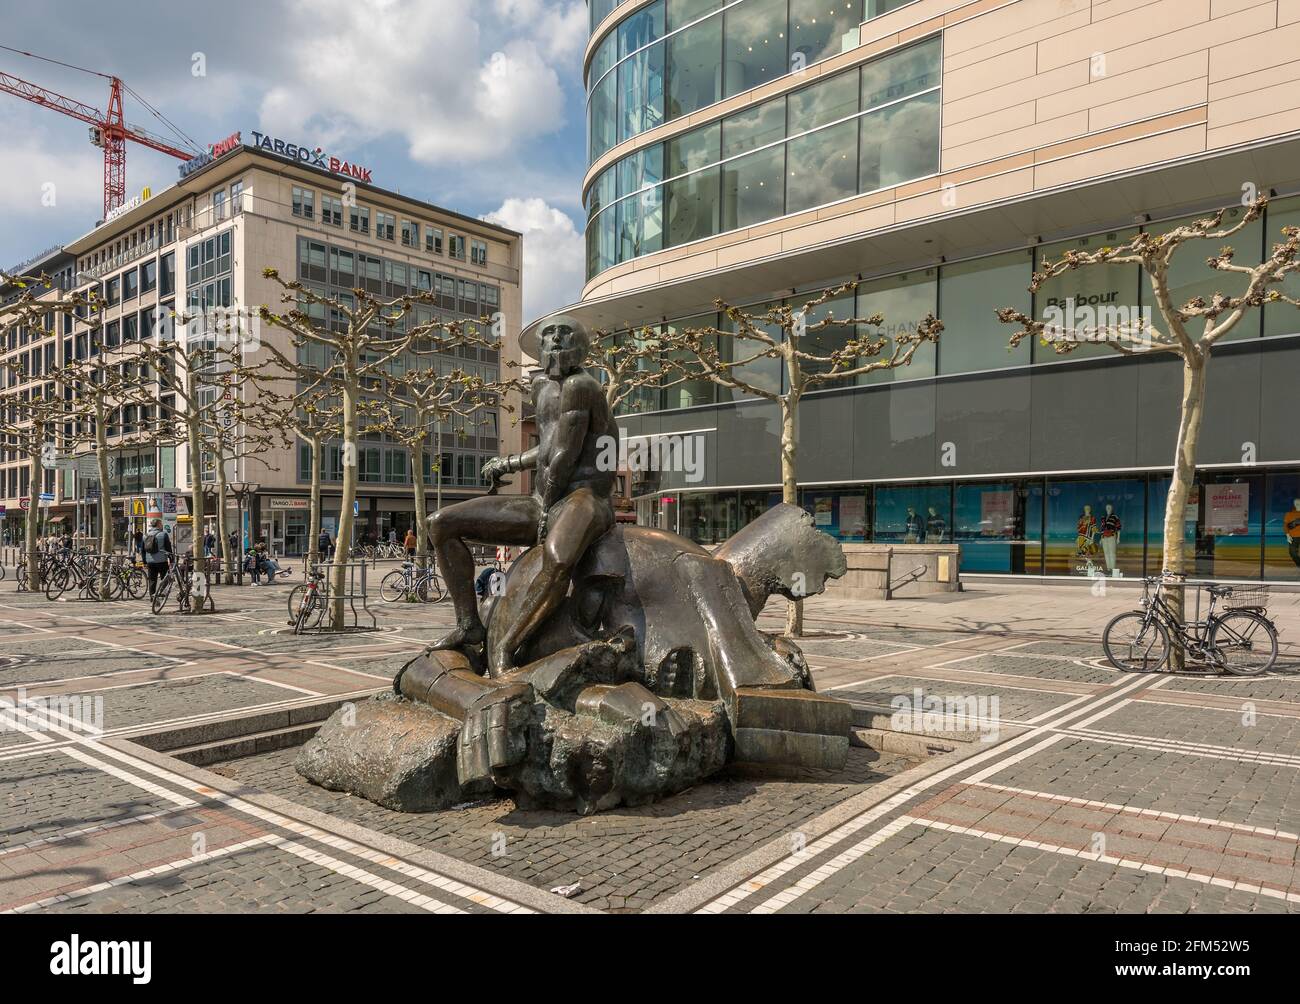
460 637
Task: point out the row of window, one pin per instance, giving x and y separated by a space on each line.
868 128
386 226
135 326
674 57
154 274
965 295
376 465
347 269
1235 525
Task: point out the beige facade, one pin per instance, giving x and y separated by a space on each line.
253 210
1041 99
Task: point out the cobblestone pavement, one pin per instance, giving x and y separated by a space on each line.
1082 790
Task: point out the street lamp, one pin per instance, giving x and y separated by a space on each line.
242 490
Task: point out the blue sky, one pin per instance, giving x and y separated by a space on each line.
476 105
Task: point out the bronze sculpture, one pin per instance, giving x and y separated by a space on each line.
617 665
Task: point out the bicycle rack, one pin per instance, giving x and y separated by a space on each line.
355 578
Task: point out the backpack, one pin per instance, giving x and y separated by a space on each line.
153 544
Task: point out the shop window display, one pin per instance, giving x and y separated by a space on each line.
1094 528
989 524
842 514
1282 528
913 514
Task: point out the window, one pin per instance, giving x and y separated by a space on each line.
693 68
753 128
754 44
478 252
1067 299
752 188
360 220
433 240
817 33
904 300
973 338
691 206
822 167
237 197
219 204
456 246
385 226
641 92
130 284
168 286
410 234
149 276
304 203
331 211
114 290
899 143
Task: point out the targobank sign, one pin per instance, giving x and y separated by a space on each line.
212 153
312 157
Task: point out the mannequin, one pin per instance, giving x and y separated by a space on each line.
1110 528
1086 531
912 534
1291 527
935 527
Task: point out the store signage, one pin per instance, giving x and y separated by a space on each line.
133 203
278 504
213 152
311 157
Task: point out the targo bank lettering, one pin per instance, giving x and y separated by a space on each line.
313 157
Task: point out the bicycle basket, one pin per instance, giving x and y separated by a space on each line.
1252 597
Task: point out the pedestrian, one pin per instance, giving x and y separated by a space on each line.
209 544
137 547
234 545
392 535
410 544
266 565
156 550
325 545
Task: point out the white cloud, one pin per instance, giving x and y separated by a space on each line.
457 90
554 254
42 179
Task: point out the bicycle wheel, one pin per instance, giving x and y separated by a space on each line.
2 573
295 598
1245 641
57 582
392 587
160 594
1135 644
21 577
306 610
137 583
431 589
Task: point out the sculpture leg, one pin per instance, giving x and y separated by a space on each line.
579 521
490 519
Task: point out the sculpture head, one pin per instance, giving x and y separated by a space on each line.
563 345
783 552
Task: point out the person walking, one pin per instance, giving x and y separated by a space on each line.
209 544
410 543
137 547
325 546
156 551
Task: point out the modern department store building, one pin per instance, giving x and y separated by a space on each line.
756 150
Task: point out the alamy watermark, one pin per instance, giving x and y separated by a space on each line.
69 712
1097 318
677 452
920 712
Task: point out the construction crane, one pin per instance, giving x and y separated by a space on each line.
107 131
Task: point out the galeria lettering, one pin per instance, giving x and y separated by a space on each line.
75 957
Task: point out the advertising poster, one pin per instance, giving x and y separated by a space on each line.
1228 509
823 515
853 516
997 513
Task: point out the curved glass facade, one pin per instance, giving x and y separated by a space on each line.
870 127
674 57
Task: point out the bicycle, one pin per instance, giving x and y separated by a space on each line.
180 574
1241 641
311 607
410 581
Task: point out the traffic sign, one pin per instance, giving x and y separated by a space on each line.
356 508
88 467
24 503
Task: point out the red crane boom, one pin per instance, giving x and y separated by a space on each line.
109 131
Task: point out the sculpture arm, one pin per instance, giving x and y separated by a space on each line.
523 461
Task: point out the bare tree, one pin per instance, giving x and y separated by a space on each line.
362 338
31 422
1190 332
794 337
627 363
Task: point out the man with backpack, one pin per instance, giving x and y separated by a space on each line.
325 546
157 547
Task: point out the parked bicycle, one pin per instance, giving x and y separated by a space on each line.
180 573
411 581
311 602
1241 640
